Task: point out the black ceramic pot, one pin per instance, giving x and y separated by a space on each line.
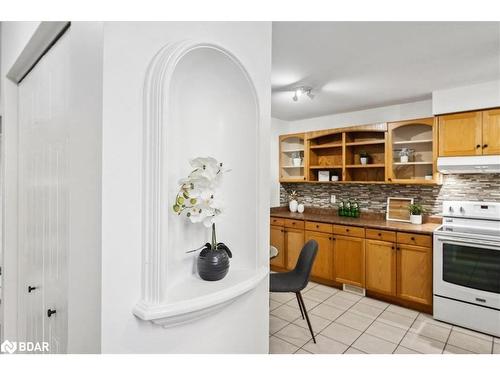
213 264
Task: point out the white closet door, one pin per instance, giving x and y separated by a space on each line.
44 197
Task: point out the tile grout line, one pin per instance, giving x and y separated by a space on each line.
408 330
374 320
447 339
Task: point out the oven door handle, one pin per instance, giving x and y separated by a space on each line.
475 242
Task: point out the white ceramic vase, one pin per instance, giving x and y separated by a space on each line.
296 162
300 208
416 219
404 159
363 161
293 205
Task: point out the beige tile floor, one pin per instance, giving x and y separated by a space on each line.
350 324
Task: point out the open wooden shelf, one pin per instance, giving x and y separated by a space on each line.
413 163
339 151
365 166
325 166
328 145
366 143
412 142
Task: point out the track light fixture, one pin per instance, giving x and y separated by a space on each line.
299 91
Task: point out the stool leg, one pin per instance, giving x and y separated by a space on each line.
300 305
307 316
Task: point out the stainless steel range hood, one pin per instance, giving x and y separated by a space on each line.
469 164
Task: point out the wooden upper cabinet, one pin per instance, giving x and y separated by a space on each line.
323 264
412 151
460 134
381 267
292 158
491 132
294 241
414 273
278 241
349 260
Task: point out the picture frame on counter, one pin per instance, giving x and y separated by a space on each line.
323 176
398 209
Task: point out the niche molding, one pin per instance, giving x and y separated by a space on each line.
193 298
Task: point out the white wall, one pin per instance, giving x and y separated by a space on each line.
14 37
466 98
241 327
398 112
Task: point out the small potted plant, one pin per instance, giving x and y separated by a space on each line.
363 157
404 155
292 202
196 201
416 211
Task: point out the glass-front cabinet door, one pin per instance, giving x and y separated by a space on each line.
412 152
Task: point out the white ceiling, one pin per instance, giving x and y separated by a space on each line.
359 65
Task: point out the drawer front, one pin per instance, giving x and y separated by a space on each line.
346 230
382 235
414 239
319 227
299 224
277 221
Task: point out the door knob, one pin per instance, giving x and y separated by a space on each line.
50 312
31 288
478 146
484 146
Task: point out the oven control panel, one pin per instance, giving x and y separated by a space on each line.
473 210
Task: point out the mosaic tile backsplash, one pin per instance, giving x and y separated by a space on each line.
373 198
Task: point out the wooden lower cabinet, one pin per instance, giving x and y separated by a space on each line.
380 260
349 260
278 241
414 273
294 241
323 264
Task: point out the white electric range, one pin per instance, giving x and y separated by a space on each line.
467 266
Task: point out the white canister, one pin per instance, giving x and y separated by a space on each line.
296 162
363 160
404 158
300 208
293 205
416 219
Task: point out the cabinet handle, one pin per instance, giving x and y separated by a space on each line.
347 230
484 146
31 288
412 238
392 247
379 234
330 238
398 248
478 146
304 178
51 312
389 179
282 230
317 226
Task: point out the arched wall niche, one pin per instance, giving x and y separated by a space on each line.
199 100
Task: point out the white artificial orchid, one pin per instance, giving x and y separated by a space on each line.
196 197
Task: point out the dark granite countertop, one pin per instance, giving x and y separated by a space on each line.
366 220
